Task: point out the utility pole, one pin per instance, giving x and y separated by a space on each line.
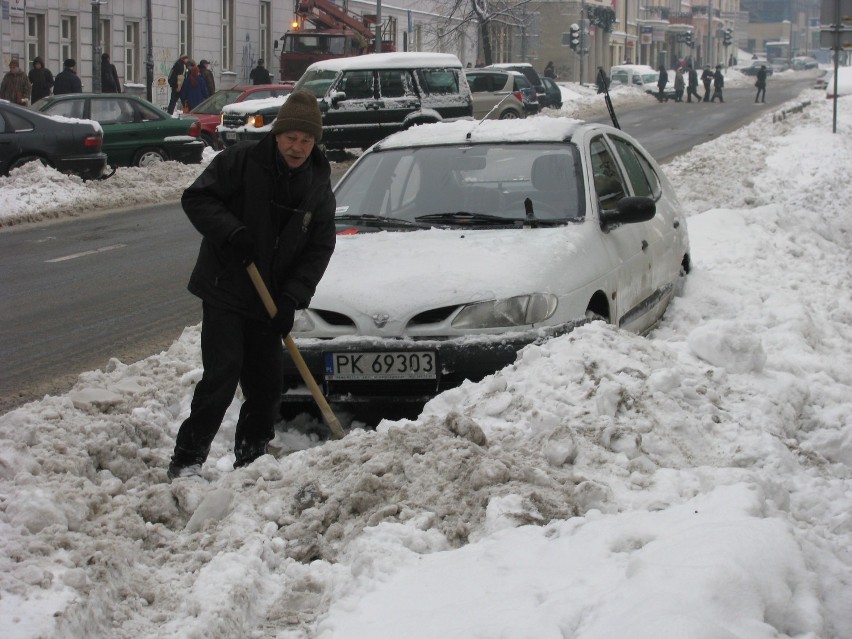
378 47
96 45
149 57
709 30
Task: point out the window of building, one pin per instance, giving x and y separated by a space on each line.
228 35
185 27
36 38
131 52
67 37
266 32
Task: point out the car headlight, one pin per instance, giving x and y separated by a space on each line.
302 323
514 311
254 120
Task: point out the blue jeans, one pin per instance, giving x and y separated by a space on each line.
234 349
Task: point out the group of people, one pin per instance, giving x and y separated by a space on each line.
190 83
709 78
20 88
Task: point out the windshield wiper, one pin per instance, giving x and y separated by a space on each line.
469 219
380 220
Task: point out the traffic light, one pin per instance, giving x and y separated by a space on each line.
728 37
574 37
687 39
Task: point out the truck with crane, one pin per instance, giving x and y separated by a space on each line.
336 33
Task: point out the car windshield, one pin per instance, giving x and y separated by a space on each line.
484 184
213 105
316 81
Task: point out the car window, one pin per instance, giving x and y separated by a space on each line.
2 124
111 111
635 171
144 112
317 81
521 82
439 81
393 83
609 185
620 76
493 179
479 82
17 124
68 108
357 85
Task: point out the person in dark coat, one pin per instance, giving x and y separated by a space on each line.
707 80
41 80
761 84
207 74
550 71
109 76
662 81
175 80
259 75
692 85
194 89
718 83
67 80
270 203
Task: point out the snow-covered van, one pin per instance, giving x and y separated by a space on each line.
364 99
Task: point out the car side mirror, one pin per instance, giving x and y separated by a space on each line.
628 210
337 96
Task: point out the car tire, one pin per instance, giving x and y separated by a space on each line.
147 157
510 114
26 159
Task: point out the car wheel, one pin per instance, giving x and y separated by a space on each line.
26 159
147 157
510 114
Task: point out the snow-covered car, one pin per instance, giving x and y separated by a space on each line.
461 243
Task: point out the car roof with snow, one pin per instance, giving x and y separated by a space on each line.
401 60
510 131
252 106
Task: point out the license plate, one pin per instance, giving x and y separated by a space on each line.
382 365
230 135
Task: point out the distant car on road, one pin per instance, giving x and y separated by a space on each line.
68 146
461 243
754 67
553 94
209 112
136 132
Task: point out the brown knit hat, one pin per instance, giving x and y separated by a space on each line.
299 112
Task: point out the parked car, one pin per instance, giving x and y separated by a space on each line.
754 66
802 63
136 132
552 92
209 112
500 234
69 147
494 94
529 73
527 90
366 98
643 77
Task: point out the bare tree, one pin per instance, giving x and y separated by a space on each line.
482 13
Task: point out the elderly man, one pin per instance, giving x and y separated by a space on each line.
15 86
267 202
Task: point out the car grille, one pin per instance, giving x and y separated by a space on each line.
234 120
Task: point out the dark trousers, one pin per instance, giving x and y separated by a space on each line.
761 94
717 93
172 102
690 91
706 92
234 349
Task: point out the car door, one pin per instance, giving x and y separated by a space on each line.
398 100
626 244
347 117
481 91
123 135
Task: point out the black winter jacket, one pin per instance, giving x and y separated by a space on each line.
67 81
245 185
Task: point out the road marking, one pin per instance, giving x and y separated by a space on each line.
74 256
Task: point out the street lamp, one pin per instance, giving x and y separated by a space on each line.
96 45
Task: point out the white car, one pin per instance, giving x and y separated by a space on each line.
461 243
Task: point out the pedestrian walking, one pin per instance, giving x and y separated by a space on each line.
267 202
679 84
718 83
259 75
193 91
761 84
41 80
176 77
15 86
109 76
207 74
707 81
662 81
550 71
67 80
692 85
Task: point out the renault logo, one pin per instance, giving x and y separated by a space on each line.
380 319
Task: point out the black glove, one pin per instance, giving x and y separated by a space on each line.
242 245
283 321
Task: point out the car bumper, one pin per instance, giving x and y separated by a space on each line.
88 167
230 138
458 359
187 152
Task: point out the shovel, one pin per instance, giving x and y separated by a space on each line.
327 414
